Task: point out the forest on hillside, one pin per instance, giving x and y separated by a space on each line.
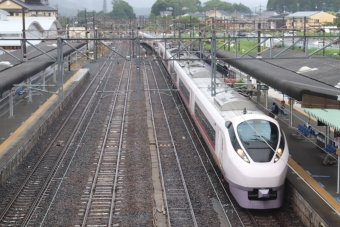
303 5
179 7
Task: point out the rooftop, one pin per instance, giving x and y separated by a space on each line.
306 14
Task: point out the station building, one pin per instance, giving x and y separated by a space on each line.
40 22
33 8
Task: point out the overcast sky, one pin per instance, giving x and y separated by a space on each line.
148 3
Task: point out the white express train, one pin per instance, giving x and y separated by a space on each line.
248 146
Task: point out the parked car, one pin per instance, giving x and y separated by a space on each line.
286 34
242 34
251 34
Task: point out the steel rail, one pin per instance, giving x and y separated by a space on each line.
65 149
13 199
175 152
87 210
80 139
119 150
157 148
196 149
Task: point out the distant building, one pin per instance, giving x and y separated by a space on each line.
165 13
314 20
278 21
34 8
201 16
12 30
218 14
3 15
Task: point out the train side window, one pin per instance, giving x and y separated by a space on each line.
205 123
184 89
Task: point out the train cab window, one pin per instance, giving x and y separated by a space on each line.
232 136
282 140
259 138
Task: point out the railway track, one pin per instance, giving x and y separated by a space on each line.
18 210
265 218
235 215
101 202
179 207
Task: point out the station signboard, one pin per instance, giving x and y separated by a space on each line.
262 87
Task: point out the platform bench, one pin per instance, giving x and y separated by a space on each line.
329 149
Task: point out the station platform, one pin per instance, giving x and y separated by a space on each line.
316 183
20 132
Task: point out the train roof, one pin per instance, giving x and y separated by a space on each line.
228 102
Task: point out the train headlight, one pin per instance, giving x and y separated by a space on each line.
278 155
241 153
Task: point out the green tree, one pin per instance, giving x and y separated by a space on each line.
121 9
177 6
303 5
226 6
158 6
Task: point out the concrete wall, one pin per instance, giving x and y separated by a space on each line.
308 215
25 148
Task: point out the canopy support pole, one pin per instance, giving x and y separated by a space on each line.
327 140
266 99
55 73
10 103
338 185
44 79
291 103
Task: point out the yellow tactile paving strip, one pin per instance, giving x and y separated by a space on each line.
23 127
318 188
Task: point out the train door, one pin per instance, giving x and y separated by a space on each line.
192 102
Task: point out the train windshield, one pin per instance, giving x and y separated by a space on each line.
259 138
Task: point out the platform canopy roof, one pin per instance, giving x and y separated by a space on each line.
327 116
290 73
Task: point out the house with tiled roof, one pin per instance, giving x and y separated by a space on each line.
33 8
220 14
314 20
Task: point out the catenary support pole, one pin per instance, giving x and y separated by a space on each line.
213 64
138 85
60 69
